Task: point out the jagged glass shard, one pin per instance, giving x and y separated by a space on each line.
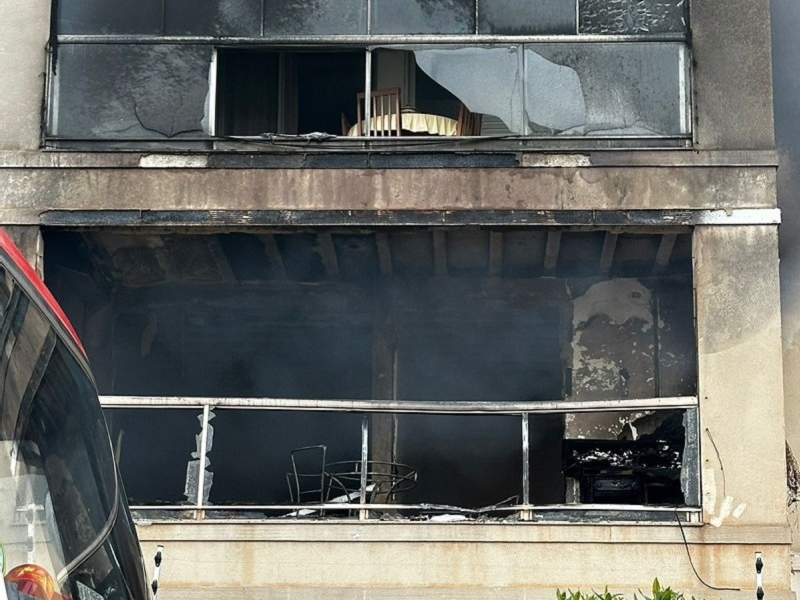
632 16
138 91
315 17
488 80
192 479
423 16
518 17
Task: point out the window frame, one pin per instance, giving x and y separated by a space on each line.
689 513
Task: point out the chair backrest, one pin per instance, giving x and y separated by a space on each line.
469 123
306 479
385 119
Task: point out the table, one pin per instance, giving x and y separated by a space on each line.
414 122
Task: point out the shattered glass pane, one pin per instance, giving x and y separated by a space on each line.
518 17
213 17
606 89
193 480
315 17
633 16
486 79
108 17
116 91
423 16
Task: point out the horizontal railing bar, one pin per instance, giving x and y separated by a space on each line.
367 40
437 407
437 507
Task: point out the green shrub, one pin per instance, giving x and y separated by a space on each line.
658 593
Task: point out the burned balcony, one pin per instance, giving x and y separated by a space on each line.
291 73
402 373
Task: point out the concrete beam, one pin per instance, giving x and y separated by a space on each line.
29 192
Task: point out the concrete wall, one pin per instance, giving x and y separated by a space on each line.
741 378
24 31
31 191
408 560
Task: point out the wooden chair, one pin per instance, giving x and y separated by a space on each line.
385 119
468 123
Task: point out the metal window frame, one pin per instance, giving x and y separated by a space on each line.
526 511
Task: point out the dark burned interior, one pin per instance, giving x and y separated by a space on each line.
394 314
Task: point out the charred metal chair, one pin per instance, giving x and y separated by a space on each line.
384 480
306 480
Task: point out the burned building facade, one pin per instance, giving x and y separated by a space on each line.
473 297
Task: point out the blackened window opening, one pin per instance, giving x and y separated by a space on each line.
397 315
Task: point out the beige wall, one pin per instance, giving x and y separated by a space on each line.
740 375
522 561
24 30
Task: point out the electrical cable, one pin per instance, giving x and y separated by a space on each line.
691 562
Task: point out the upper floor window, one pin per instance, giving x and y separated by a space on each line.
493 69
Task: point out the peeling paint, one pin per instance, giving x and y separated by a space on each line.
709 491
619 299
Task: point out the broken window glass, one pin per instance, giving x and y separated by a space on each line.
118 91
240 18
632 16
639 458
153 447
108 17
523 17
568 89
423 16
606 89
487 79
315 17
253 450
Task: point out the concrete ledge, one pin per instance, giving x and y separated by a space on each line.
53 159
353 531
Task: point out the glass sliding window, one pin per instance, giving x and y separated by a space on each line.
633 16
606 89
486 79
130 91
423 16
108 17
237 18
524 17
315 17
